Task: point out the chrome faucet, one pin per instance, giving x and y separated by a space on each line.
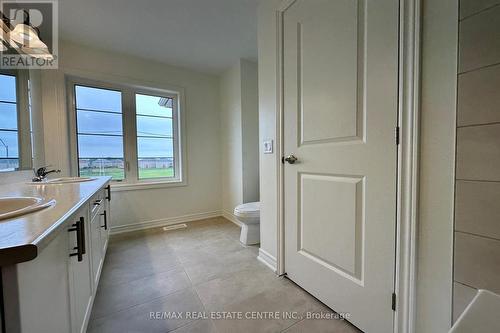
41 173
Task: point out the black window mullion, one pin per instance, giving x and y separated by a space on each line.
96 134
99 111
151 116
155 137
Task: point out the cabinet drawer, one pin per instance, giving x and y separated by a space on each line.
97 204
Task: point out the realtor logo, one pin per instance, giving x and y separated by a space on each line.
28 34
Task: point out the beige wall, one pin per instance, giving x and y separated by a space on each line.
231 139
239 136
201 111
250 130
477 224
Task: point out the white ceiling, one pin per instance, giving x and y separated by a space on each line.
204 35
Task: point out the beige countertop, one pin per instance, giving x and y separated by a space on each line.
23 237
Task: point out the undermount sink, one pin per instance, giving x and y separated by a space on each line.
17 206
65 180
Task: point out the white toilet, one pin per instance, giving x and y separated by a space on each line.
249 216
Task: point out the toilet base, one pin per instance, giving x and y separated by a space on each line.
250 234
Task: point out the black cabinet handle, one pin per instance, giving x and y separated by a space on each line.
105 226
80 239
76 227
108 188
82 234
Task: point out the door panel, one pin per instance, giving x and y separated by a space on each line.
319 35
343 224
340 81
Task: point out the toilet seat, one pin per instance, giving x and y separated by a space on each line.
248 210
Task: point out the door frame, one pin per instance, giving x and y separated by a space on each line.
407 161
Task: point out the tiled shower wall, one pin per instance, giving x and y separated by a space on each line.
477 202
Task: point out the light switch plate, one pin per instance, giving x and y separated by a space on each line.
268 146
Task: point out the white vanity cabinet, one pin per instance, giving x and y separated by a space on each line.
80 269
87 272
106 219
54 292
99 212
36 299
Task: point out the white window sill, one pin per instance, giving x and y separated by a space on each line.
146 185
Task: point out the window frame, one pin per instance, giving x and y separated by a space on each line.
128 91
25 154
175 133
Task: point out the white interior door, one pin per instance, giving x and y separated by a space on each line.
340 81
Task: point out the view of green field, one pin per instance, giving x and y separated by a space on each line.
118 174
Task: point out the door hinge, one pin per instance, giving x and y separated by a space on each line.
397 135
393 301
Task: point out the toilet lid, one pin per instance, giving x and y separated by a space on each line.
251 209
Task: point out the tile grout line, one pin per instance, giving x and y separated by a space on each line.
464 284
145 277
137 305
477 180
477 235
475 69
193 287
181 266
293 324
147 301
479 125
479 12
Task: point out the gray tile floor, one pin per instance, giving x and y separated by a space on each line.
156 281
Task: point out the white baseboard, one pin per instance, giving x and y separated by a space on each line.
267 259
164 222
230 216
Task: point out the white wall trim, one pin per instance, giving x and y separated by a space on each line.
164 222
408 165
230 216
267 259
280 262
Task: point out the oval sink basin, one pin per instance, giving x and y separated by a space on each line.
64 180
17 206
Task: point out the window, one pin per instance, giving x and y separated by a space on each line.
155 136
131 134
99 132
9 137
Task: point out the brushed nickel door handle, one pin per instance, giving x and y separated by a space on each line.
291 159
